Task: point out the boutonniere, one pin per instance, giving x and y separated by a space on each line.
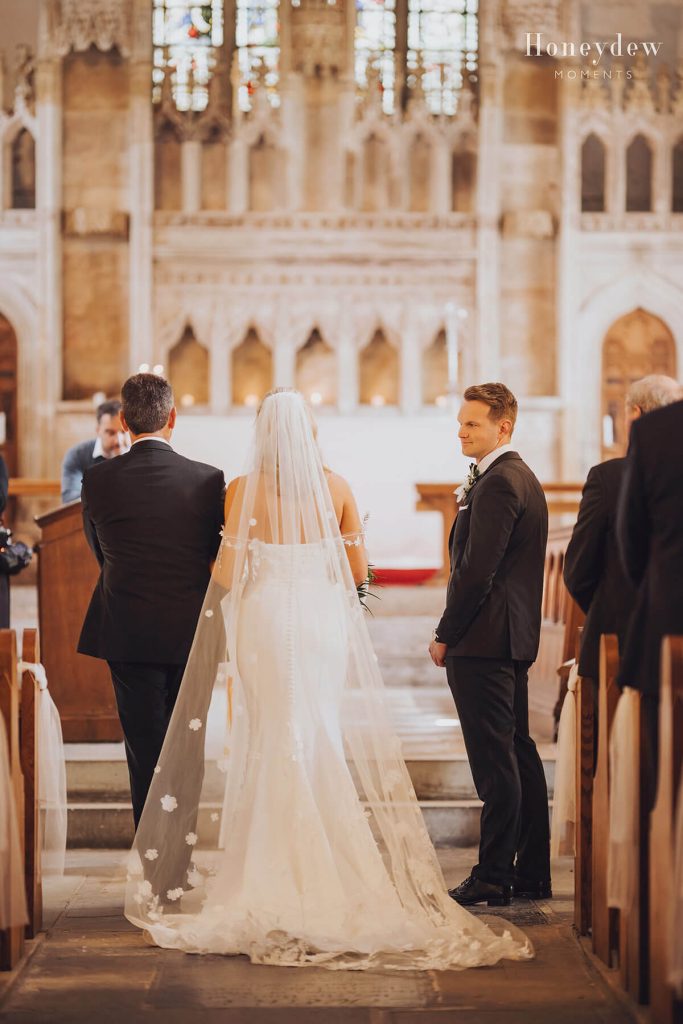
462 492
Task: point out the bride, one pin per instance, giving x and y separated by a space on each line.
281 822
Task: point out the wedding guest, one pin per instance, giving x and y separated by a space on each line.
110 440
4 579
593 571
650 537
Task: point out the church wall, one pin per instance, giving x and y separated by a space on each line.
95 202
530 173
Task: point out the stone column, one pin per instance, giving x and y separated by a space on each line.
238 162
347 364
411 368
284 360
49 370
191 175
488 217
141 191
568 284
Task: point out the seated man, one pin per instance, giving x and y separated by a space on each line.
110 440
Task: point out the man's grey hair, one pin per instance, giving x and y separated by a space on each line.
653 392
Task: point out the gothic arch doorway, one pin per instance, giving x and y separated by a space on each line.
636 345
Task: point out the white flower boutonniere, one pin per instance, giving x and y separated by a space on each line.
462 492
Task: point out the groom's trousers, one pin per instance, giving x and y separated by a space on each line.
145 697
491 697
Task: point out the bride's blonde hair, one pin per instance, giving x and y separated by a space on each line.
292 391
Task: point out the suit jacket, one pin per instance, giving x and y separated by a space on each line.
498 542
592 568
650 533
153 520
77 460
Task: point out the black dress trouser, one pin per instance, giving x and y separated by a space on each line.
492 700
145 697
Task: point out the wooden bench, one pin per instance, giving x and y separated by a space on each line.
585 758
11 939
666 1009
634 920
603 919
30 762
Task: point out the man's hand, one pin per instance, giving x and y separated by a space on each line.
437 652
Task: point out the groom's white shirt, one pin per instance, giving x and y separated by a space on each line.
489 459
139 440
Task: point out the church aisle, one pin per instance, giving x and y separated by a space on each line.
92 966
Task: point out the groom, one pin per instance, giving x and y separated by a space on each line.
153 520
487 639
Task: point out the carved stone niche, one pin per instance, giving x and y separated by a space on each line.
535 224
81 222
80 24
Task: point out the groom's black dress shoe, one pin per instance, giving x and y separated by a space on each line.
530 889
475 890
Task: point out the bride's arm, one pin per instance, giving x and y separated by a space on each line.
225 560
352 530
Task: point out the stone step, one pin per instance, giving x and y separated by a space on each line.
99 810
438 779
110 825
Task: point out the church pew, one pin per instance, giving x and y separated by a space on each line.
11 939
30 723
665 1008
634 921
604 919
585 745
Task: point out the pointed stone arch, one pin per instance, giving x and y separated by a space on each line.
251 370
639 166
379 371
189 370
420 165
593 175
435 370
23 171
637 344
168 167
316 370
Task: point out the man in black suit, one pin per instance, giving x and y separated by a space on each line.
153 519
650 535
487 638
110 440
592 570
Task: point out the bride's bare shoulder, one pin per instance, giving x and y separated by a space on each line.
337 484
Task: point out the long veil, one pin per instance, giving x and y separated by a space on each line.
282 518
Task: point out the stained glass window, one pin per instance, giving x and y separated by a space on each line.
258 47
374 45
186 36
443 36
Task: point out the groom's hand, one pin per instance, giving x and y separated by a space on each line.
437 652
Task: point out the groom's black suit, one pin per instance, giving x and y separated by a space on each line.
153 520
492 625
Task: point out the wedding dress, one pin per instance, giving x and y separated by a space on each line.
296 838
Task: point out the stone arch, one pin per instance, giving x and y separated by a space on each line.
582 359
168 183
251 370
593 175
375 174
435 370
9 394
23 171
639 165
636 344
463 180
677 177
379 371
264 175
420 165
189 370
316 370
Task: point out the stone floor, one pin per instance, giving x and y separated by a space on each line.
92 967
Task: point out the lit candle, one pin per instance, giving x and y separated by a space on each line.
316 398
158 369
378 400
251 401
